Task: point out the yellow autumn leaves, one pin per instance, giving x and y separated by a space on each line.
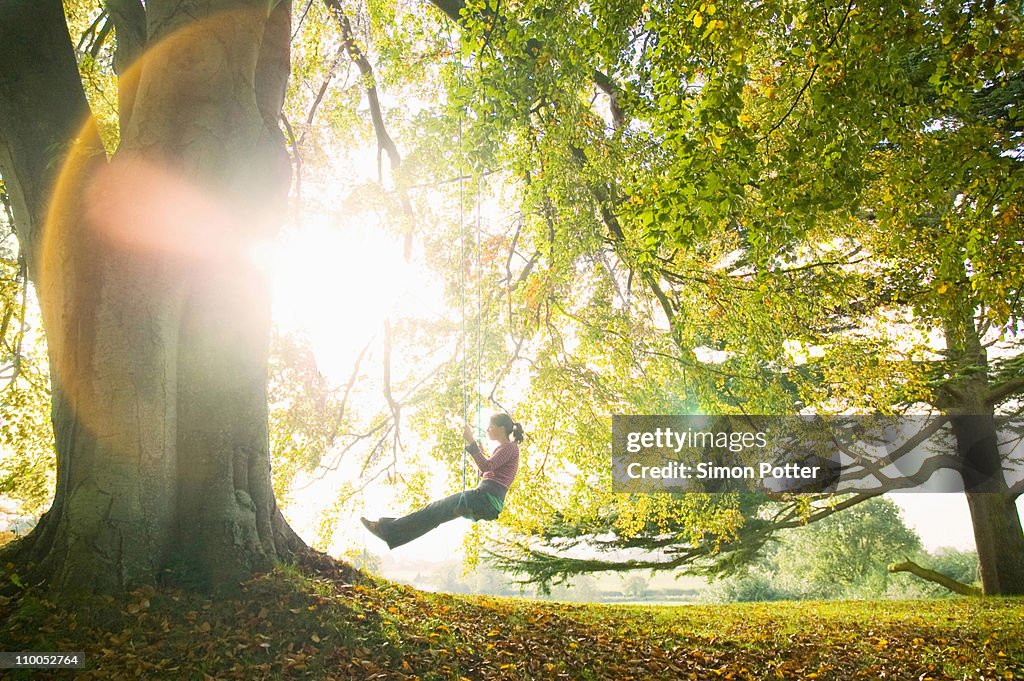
702 17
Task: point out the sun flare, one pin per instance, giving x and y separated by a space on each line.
335 281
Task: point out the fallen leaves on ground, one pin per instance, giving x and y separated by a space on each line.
323 620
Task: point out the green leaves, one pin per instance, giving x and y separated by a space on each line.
307 415
768 208
27 460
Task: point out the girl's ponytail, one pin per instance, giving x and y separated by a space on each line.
513 429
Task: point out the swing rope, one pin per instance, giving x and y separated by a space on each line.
465 264
462 293
479 305
462 287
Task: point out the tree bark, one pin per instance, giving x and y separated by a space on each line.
1000 542
42 110
998 535
157 323
994 518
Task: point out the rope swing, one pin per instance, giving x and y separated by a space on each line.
464 264
486 500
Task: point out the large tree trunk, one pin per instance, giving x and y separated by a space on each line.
158 325
997 528
1000 541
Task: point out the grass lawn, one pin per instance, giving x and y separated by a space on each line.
320 619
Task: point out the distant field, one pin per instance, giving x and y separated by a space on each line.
604 587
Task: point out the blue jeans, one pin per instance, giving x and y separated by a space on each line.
473 504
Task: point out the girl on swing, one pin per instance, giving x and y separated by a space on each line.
483 503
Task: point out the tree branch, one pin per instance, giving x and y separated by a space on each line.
384 141
129 20
324 86
936 577
95 35
601 196
605 83
42 107
395 407
810 78
1004 390
451 8
297 157
129 17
